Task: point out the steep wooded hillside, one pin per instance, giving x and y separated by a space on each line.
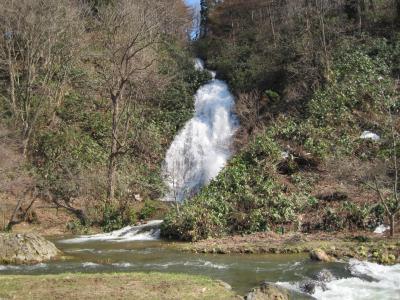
317 97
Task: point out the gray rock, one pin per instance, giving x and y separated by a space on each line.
224 284
322 277
268 291
325 276
309 286
25 249
320 255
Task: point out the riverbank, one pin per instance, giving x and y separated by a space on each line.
113 286
362 246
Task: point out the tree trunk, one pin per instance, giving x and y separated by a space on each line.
12 83
112 166
324 44
272 25
359 15
391 219
11 222
397 4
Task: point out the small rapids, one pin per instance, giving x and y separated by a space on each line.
146 232
202 148
372 282
368 281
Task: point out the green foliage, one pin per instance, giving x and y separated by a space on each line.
62 157
112 218
176 100
76 227
351 215
331 220
147 211
357 83
273 96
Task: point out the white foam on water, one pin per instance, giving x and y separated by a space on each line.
384 283
81 250
146 232
23 267
197 264
90 265
371 281
123 265
162 265
206 264
9 267
202 147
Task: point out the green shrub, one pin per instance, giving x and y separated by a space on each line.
112 218
147 211
331 220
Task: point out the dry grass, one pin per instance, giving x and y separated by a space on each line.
112 286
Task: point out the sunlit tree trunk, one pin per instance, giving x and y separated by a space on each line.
112 164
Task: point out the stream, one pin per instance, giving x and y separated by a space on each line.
242 272
135 250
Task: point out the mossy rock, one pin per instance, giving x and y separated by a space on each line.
26 248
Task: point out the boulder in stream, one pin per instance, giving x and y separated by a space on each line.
268 291
320 280
26 248
320 255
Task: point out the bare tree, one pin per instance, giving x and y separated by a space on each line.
129 32
38 41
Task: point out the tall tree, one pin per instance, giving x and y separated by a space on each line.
129 32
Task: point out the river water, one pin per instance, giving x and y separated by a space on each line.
242 272
354 280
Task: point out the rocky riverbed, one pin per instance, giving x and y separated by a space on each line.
334 247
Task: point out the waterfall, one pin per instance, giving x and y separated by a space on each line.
202 147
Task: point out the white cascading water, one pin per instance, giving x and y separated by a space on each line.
202 148
369 281
145 232
372 282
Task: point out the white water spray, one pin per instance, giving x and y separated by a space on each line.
202 148
369 281
146 232
379 282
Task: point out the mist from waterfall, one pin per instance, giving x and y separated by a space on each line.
202 148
